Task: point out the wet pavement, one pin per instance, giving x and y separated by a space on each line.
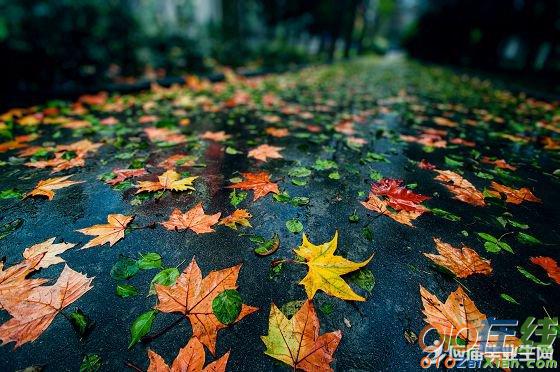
345 125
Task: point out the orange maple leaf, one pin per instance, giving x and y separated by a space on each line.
277 132
297 342
239 216
460 187
220 136
14 284
47 252
17 142
258 182
46 187
193 219
110 233
33 315
550 265
375 204
513 196
192 296
164 135
178 160
264 152
169 180
123 174
462 262
190 359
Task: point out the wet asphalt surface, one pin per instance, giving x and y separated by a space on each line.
373 331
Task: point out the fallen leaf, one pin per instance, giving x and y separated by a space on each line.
258 182
193 219
110 233
460 187
46 187
265 152
192 296
513 196
239 216
190 359
325 269
164 135
220 136
399 197
47 252
462 262
297 342
375 204
550 265
123 174
277 132
32 316
169 180
14 285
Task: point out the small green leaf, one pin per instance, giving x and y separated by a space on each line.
488 237
226 306
530 276
508 298
334 176
299 172
363 278
367 234
445 214
354 217
11 194
492 247
327 308
165 277
124 268
126 290
527 239
294 226
236 197
80 322
8 228
268 247
299 182
150 260
141 326
90 363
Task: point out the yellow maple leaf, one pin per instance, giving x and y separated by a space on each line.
169 180
325 269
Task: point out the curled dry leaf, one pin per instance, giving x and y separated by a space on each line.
550 265
258 182
238 217
169 180
47 252
33 315
462 262
190 359
46 187
192 296
265 152
325 269
513 196
193 219
297 342
461 188
110 233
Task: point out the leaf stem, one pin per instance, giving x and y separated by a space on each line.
150 338
132 366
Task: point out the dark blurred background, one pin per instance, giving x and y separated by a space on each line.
64 47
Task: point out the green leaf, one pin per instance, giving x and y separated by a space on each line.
124 268
8 228
11 194
453 163
375 175
299 172
527 239
363 278
354 217
292 307
150 260
294 226
367 234
323 164
445 214
80 322
488 237
299 182
236 197
508 298
492 247
90 363
530 276
226 306
327 308
231 151
299 201
334 176
141 326
165 277
268 247
505 246
126 290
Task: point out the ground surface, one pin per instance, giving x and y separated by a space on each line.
346 127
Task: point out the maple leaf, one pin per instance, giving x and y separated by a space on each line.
110 233
220 136
325 269
58 163
399 197
192 296
193 219
513 196
264 152
375 204
461 188
462 262
297 342
499 163
47 252
178 160
14 284
46 187
550 265
258 182
277 132
190 359
169 180
123 174
164 135
33 315
239 216
17 142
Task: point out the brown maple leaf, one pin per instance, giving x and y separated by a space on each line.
110 233
375 204
297 342
192 296
169 180
550 265
123 174
33 315
239 216
513 196
265 152
258 182
220 136
47 252
193 219
47 187
14 285
190 359
462 262
460 187
398 196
